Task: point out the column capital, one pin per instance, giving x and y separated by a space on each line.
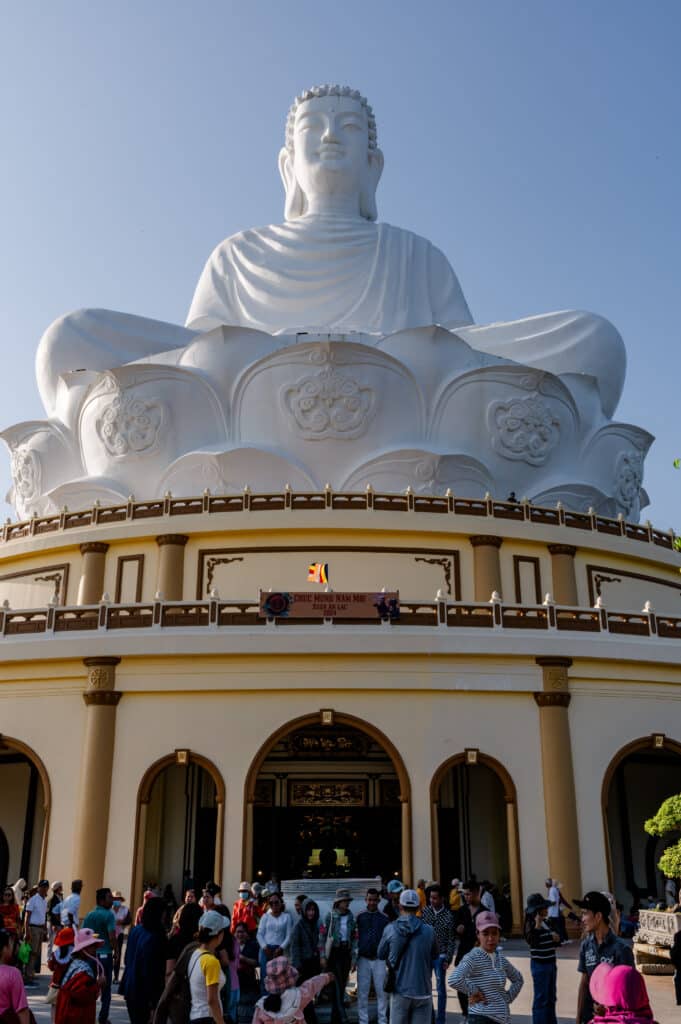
562 549
106 698
553 661
179 539
486 540
101 676
96 547
556 699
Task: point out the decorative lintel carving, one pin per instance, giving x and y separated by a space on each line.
483 540
557 699
107 698
180 539
94 547
562 549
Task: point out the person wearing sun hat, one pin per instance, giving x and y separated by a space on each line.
542 941
285 1001
483 972
82 981
338 945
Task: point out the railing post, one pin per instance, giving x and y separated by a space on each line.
328 496
410 499
489 504
652 618
441 608
449 495
623 525
550 606
370 497
130 507
214 597
246 498
167 498
495 601
205 500
288 504
602 614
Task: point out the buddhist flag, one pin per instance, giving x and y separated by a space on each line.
318 572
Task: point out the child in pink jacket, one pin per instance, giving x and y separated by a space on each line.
285 1002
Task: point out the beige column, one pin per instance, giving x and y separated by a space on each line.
486 566
91 586
563 573
247 856
92 824
560 803
514 867
407 869
170 579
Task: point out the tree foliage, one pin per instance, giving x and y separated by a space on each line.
668 819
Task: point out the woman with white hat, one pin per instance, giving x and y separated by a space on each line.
82 981
205 975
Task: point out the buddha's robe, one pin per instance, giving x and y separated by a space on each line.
322 274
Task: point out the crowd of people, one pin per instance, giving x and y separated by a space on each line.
206 963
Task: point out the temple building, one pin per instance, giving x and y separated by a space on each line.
478 680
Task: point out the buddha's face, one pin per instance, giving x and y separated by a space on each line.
331 146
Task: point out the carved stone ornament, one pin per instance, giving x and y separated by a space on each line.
26 474
524 429
328 404
628 480
101 673
130 425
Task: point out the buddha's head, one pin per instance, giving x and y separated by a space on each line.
330 150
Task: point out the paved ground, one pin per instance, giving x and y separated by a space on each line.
660 989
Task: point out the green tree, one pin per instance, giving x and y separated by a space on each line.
668 819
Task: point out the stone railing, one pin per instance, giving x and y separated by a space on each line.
439 614
448 504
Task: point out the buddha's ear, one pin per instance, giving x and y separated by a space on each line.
295 199
367 199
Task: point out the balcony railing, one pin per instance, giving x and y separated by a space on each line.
216 613
446 504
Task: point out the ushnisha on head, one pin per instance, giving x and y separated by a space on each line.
331 163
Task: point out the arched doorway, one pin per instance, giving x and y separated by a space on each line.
327 796
180 824
640 776
26 801
475 827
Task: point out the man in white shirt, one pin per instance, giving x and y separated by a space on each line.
36 928
486 898
69 909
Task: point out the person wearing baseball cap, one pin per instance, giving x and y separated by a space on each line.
483 972
600 945
542 940
409 947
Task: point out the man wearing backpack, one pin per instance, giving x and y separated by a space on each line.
409 946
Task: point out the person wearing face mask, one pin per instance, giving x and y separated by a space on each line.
244 910
82 981
482 975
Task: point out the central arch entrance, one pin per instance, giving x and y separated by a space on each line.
327 796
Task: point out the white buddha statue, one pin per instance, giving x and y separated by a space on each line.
330 268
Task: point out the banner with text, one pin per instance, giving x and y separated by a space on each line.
348 605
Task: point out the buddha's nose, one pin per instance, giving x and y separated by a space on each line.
329 134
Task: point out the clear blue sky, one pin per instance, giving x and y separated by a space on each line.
537 142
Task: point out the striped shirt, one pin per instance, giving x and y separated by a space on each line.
480 972
542 944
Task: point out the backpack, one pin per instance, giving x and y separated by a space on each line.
175 1003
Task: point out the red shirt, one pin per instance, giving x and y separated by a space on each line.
245 912
10 914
